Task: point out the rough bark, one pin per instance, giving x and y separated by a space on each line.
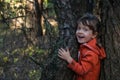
67 13
56 69
110 17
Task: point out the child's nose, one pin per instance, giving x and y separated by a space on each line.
79 31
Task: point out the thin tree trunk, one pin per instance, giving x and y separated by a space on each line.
38 13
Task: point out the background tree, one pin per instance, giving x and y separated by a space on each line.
26 37
18 40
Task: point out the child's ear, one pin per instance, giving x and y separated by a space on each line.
95 35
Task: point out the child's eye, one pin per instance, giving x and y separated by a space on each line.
78 28
85 29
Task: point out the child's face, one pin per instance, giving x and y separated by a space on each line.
84 33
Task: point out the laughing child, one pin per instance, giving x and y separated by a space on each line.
90 53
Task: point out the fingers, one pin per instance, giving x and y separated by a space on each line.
67 49
59 55
61 49
64 50
61 52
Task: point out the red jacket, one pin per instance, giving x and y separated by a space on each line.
88 65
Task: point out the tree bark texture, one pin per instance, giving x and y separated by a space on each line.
55 68
110 16
67 13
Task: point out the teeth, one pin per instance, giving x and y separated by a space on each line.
81 36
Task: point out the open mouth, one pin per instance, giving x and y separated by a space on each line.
80 37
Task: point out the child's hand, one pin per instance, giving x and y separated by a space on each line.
65 55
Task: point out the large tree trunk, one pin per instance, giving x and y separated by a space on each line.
110 16
56 69
67 12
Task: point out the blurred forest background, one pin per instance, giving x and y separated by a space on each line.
31 31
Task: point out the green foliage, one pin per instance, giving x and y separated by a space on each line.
50 24
49 7
31 50
47 4
8 1
34 74
17 56
15 52
11 9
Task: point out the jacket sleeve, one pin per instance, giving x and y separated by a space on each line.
85 65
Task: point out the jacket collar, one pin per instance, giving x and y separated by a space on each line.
91 43
92 46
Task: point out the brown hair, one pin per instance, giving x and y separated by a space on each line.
90 20
93 23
